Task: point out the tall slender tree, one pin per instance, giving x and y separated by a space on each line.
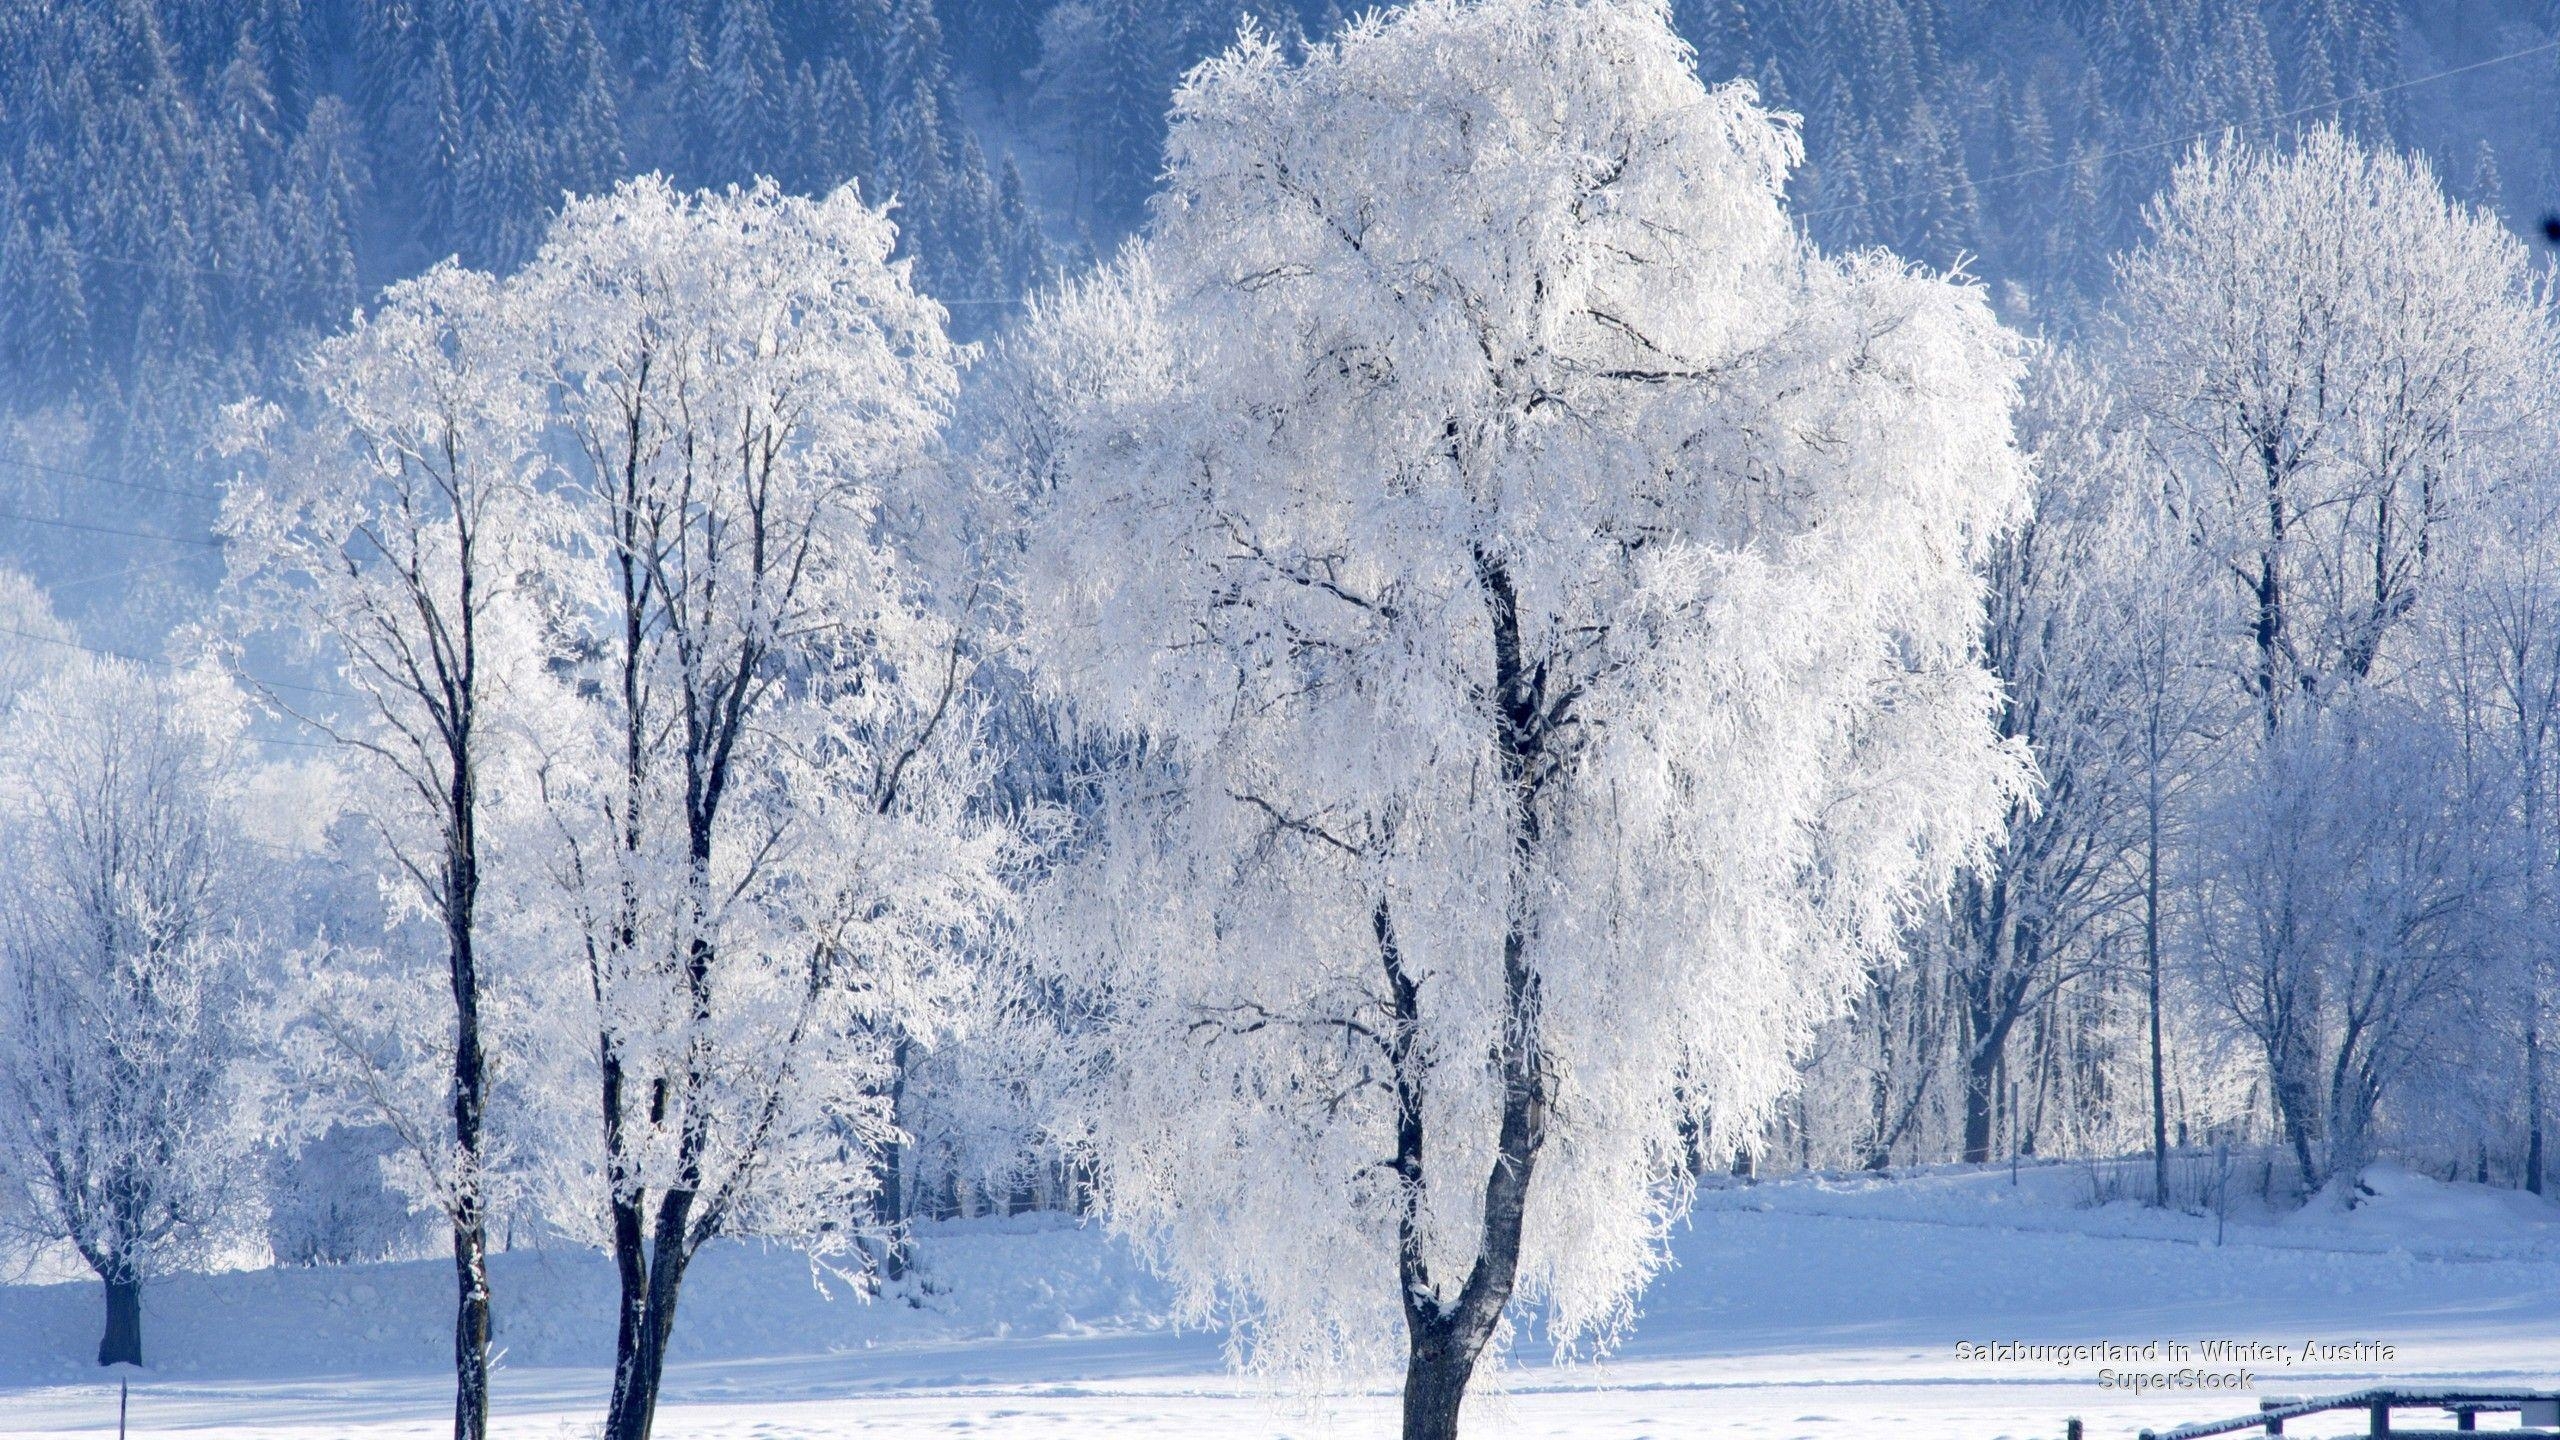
384 529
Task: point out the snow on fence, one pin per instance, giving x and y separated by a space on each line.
2538 1413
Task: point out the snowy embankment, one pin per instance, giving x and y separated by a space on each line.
1812 1307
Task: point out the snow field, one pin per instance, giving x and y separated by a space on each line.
1805 1309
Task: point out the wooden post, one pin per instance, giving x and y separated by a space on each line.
124 1398
2274 1422
2380 1425
2466 1418
2071 1428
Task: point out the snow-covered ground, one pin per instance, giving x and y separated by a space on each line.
1808 1308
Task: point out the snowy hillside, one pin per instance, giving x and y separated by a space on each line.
1816 1307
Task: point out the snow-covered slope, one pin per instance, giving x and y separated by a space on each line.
1815 1307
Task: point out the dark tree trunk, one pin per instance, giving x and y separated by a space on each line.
2533 1101
1445 1339
631 1315
470 1092
470 1331
889 1207
1436 1373
634 1407
122 1342
1981 1084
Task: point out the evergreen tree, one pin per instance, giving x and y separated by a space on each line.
1025 252
749 90
57 342
247 104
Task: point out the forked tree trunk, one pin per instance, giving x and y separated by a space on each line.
637 1375
122 1342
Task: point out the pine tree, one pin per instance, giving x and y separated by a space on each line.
830 131
246 102
1125 131
748 91
2484 191
19 274
1025 255
440 173
57 343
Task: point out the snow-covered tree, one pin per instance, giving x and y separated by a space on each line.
2493 665
2325 397
385 528
2326 405
2339 915
2022 926
752 793
128 1097
1544 595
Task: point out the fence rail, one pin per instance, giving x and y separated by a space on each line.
2539 1411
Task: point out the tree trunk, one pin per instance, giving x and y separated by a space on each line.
631 1317
470 1331
122 1342
889 1207
2533 1100
1445 1340
2151 982
1981 1071
1993 987
470 1092
1436 1373
634 1406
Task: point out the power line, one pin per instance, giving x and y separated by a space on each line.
188 492
2187 139
166 268
17 707
52 588
41 638
208 542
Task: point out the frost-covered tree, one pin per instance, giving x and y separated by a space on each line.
385 527
2053 628
1543 595
2493 665
2325 397
2339 918
751 800
128 1104
2326 404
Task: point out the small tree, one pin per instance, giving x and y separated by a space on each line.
2493 666
127 1108
1544 594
